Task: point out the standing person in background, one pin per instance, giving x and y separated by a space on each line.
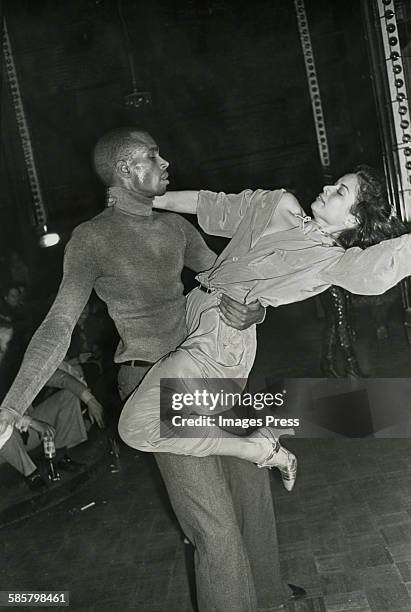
339 336
19 272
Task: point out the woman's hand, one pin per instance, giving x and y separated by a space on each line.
238 315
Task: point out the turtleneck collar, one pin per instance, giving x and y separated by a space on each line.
129 202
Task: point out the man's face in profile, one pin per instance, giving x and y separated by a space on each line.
147 169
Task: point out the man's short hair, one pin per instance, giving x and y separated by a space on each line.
113 146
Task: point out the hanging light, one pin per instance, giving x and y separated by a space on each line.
48 239
136 98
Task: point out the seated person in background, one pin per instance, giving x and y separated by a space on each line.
67 377
91 351
22 294
84 347
10 303
11 353
59 415
4 270
18 270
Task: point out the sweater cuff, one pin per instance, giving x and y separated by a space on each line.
86 396
5 436
14 413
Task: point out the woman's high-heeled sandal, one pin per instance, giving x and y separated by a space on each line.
289 470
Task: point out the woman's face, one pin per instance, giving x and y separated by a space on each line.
332 207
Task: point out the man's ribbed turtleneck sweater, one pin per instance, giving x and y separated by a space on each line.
133 257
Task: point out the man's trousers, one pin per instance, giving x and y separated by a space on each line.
224 507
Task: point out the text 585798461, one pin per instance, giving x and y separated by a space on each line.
34 598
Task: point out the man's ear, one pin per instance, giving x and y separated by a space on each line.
122 168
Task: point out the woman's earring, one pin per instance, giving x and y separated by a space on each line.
350 221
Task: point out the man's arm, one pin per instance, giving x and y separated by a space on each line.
197 255
51 341
374 270
240 316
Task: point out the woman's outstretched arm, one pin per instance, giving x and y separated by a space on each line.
374 270
178 201
220 214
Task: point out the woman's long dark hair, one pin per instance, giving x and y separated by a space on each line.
373 213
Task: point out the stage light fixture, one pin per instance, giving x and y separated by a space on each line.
48 239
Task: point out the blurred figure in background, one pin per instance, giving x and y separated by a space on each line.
13 310
339 358
59 415
19 272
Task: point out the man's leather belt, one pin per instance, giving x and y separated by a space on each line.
137 363
206 289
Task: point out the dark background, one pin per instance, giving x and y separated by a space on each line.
230 103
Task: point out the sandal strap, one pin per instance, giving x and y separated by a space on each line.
275 449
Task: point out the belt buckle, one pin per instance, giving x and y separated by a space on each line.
206 289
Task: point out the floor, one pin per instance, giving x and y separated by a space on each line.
345 534
345 530
17 502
